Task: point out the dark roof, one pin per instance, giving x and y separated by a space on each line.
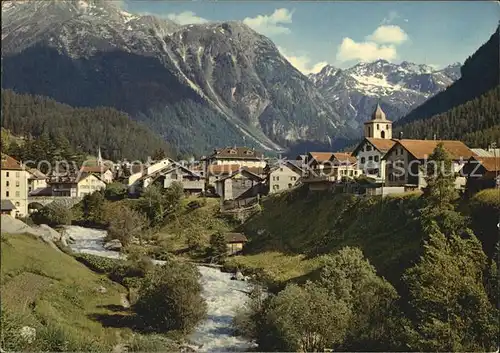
235 238
47 191
7 205
237 153
244 171
9 163
225 169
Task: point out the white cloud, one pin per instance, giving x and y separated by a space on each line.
186 18
364 51
388 34
272 24
381 44
303 63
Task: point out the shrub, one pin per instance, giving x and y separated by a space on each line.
98 263
170 298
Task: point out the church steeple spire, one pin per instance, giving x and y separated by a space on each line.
99 157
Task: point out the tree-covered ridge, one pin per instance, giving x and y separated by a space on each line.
476 122
480 73
84 128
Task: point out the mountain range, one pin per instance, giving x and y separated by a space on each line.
399 88
198 86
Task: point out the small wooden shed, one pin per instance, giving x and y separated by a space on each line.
235 242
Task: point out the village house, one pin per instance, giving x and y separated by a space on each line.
235 243
225 161
342 166
14 178
405 159
143 175
377 141
191 181
482 173
283 176
75 185
325 169
104 172
36 180
241 184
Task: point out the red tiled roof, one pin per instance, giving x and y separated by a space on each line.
9 163
383 145
491 164
321 156
422 149
343 157
94 169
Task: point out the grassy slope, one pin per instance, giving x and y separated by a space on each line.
296 222
49 287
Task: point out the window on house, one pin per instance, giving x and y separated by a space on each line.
376 159
378 127
276 187
370 158
363 159
7 183
387 126
7 174
17 183
290 186
293 178
18 204
7 194
277 178
174 176
368 148
18 174
18 194
351 173
281 169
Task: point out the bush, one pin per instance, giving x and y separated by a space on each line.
98 263
170 298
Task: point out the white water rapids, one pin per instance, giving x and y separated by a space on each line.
221 294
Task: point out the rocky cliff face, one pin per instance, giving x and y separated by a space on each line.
199 86
355 91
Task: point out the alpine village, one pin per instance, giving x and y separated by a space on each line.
176 186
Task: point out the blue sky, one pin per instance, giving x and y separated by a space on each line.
311 34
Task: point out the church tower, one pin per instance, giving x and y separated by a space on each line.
99 157
378 127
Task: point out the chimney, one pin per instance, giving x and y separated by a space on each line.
401 135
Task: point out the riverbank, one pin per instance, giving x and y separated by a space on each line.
221 294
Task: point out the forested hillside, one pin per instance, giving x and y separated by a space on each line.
82 129
476 122
480 74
